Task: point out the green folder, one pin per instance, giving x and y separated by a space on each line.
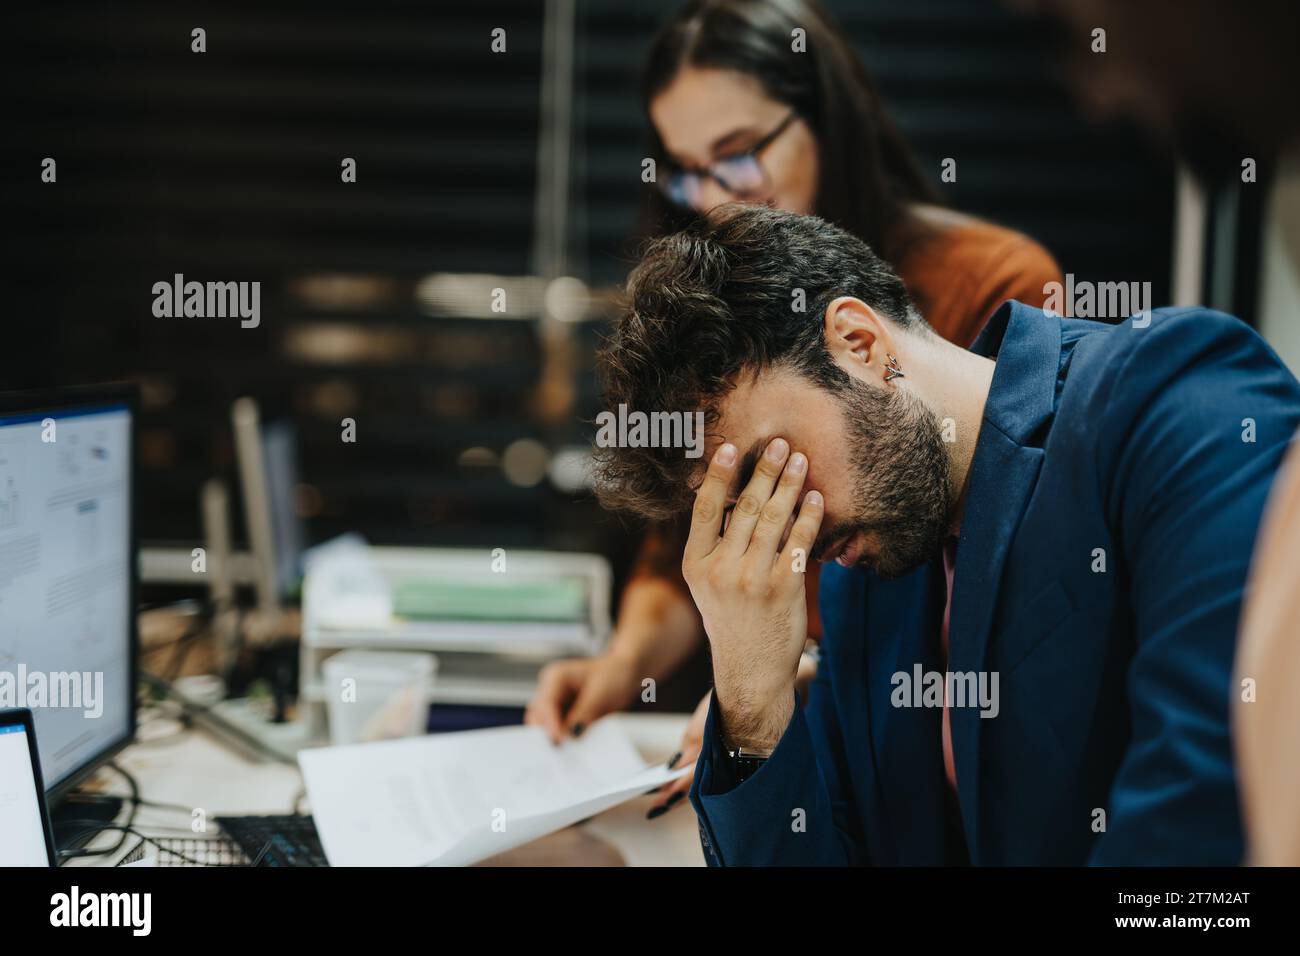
563 599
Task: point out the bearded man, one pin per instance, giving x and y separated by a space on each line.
1060 517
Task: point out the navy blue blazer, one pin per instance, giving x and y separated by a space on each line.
1114 496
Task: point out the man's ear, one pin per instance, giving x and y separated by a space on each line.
858 338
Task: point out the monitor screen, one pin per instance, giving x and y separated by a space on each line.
280 458
67 578
22 822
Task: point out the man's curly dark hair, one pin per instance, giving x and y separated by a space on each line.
738 291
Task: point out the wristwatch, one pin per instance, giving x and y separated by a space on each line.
745 761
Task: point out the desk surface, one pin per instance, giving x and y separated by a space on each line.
194 769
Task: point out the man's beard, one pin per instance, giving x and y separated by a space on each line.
901 475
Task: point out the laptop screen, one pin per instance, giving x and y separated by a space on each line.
22 822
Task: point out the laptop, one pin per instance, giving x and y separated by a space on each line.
25 835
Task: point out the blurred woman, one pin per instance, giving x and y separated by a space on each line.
740 111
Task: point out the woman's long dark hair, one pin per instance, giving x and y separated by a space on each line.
867 174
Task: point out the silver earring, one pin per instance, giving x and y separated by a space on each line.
892 371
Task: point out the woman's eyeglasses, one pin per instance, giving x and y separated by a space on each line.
740 174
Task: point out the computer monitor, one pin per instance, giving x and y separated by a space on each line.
68 573
280 455
25 835
267 454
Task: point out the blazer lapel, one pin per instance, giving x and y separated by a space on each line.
1027 345
906 741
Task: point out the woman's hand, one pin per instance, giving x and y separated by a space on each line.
572 693
692 741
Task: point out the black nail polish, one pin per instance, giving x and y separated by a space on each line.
663 808
578 729
676 757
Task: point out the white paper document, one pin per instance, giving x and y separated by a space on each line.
456 799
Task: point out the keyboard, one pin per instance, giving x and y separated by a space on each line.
187 851
276 840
